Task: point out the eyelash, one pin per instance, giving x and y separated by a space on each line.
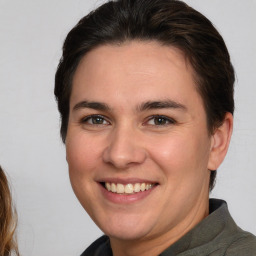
166 120
87 118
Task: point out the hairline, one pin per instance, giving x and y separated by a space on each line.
196 77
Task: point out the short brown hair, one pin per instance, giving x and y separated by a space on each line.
170 22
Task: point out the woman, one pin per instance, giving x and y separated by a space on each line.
145 93
7 219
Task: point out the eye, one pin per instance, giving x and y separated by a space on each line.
95 120
159 120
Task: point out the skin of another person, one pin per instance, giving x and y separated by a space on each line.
137 117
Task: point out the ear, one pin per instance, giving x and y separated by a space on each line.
220 142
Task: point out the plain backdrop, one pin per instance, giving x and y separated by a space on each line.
51 221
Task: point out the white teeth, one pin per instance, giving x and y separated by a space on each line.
143 187
113 187
108 186
120 188
136 187
128 188
149 186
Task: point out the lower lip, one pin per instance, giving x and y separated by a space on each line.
125 198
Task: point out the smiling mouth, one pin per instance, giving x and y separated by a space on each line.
128 189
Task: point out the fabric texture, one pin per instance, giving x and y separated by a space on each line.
216 235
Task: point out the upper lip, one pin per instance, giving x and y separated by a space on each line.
126 180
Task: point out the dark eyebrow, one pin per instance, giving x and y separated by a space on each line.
92 105
142 107
161 104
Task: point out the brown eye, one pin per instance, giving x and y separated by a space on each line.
160 120
97 120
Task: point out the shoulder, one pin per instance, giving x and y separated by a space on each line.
231 239
100 247
243 245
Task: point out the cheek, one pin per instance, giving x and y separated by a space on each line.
82 154
181 154
81 161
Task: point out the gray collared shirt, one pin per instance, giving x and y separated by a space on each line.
216 235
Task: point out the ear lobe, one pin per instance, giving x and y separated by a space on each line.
220 142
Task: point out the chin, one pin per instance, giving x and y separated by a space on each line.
125 230
126 235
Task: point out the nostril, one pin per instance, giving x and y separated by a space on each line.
123 149
123 158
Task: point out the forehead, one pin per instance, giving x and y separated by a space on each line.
136 56
142 69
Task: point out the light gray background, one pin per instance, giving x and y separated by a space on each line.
51 221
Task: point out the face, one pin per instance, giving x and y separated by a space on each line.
137 143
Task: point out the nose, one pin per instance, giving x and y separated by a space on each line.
124 149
